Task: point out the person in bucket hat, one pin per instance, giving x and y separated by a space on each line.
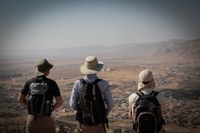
90 68
146 84
42 67
43 122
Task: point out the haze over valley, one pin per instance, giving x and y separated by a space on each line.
174 63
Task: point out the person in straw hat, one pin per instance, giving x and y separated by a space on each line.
44 122
90 68
146 84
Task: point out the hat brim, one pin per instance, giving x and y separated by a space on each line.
85 70
38 73
150 85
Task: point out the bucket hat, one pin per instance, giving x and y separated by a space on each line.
146 80
91 65
42 66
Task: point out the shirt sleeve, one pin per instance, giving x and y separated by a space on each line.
56 90
162 100
132 100
108 96
25 89
74 96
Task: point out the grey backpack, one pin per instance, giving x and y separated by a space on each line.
37 101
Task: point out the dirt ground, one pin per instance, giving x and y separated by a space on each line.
122 76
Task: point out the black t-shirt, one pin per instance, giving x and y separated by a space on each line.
53 90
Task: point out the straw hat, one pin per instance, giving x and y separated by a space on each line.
91 65
146 80
42 66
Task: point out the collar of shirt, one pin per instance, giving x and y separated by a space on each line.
147 90
90 78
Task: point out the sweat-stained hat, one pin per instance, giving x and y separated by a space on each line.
42 66
146 80
91 65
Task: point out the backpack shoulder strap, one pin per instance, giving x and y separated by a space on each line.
97 80
154 93
83 81
140 93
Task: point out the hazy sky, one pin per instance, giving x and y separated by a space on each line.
56 24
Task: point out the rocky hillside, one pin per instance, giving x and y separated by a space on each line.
170 48
179 48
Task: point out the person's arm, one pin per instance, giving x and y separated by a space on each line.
23 93
22 99
56 94
162 100
58 103
108 97
131 100
74 96
130 113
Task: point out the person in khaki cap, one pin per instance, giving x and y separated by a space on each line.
146 85
44 122
90 69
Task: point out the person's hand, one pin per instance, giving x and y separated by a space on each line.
129 114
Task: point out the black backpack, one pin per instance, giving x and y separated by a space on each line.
92 109
37 102
147 110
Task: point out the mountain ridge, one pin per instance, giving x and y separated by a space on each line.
169 48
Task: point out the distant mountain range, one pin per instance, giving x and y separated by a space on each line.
179 48
170 48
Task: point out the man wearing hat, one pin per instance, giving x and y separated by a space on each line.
146 85
90 69
41 123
